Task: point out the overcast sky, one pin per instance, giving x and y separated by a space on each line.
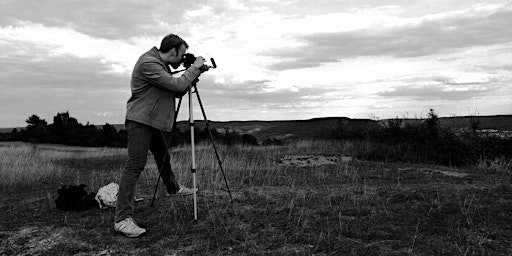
277 59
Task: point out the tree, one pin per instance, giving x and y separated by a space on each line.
65 129
108 135
34 121
37 129
90 136
432 124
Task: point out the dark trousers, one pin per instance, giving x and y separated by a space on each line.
142 137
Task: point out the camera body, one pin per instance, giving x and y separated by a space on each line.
189 59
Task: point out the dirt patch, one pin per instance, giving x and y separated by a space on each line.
308 161
451 173
32 240
443 172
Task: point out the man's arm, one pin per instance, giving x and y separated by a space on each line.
156 74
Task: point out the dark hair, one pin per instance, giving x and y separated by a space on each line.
171 41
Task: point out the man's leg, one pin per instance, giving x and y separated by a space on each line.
139 137
159 148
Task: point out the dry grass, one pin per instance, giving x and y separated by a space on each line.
340 208
30 165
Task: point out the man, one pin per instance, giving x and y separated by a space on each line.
150 117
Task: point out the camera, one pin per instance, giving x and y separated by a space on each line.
189 59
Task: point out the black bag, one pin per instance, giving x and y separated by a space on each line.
75 198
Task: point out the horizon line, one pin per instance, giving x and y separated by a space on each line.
294 120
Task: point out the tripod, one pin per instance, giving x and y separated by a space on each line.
192 141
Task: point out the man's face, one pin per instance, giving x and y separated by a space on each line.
176 58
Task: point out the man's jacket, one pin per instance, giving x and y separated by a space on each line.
154 90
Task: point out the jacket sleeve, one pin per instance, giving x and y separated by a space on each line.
156 74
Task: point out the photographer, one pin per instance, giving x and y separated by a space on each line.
150 118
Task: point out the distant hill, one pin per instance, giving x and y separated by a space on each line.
8 130
314 128
292 129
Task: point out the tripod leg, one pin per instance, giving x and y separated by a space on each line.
162 166
192 142
156 187
212 141
165 155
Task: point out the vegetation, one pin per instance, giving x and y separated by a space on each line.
397 140
346 208
398 189
66 130
424 141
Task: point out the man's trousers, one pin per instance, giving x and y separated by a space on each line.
142 138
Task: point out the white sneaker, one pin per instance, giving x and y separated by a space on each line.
184 191
129 228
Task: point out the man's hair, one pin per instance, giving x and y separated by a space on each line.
171 41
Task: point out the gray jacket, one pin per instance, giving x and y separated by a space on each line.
154 91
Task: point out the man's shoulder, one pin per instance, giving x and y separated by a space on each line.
150 55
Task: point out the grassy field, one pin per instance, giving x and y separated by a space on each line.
317 202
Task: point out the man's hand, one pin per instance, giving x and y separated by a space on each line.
199 62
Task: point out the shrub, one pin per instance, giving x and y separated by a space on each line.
271 142
425 141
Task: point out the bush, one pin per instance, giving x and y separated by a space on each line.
421 142
271 142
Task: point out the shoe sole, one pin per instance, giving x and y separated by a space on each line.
130 236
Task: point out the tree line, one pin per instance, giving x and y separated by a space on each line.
426 141
66 130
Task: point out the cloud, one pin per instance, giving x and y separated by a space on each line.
36 82
258 92
277 59
431 93
252 100
441 88
34 41
482 25
113 20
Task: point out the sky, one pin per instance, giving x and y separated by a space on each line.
277 59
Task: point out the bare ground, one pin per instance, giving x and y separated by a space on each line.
341 208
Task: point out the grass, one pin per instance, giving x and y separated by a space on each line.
347 208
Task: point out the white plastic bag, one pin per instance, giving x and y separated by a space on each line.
107 195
